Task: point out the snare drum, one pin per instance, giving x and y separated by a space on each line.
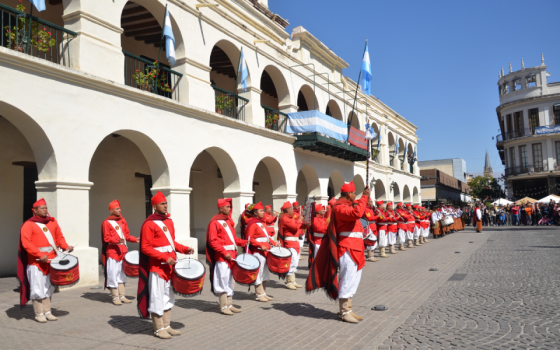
278 260
65 274
448 220
130 263
245 269
188 277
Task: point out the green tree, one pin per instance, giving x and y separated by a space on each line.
486 187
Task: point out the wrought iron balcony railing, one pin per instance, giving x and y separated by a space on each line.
230 105
274 119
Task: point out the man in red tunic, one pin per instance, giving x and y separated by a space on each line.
391 228
298 215
40 241
269 220
400 215
425 224
114 235
319 228
410 225
331 202
245 217
157 257
370 236
288 233
221 251
261 243
417 227
342 249
382 231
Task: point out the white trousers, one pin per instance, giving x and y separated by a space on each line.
162 297
115 273
349 277
301 241
39 284
402 236
294 262
371 247
382 238
391 238
316 249
416 232
409 234
223 279
425 232
264 272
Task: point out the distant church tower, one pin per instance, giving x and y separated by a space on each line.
488 166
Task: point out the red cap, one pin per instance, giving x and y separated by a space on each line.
408 205
258 206
349 187
222 202
268 207
319 207
296 203
286 205
332 201
39 202
399 204
158 198
114 204
379 203
389 203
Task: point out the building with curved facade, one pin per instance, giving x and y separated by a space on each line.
80 127
529 139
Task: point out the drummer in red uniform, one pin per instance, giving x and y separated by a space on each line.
269 220
370 244
319 227
410 225
39 240
114 234
402 227
245 217
382 231
221 251
391 228
345 254
298 216
260 244
157 256
289 230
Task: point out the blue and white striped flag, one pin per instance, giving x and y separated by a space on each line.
405 144
39 4
414 156
365 77
169 39
243 71
379 139
397 145
370 132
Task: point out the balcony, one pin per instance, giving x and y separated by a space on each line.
42 40
274 119
539 167
230 105
331 147
515 134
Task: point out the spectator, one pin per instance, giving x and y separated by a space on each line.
514 214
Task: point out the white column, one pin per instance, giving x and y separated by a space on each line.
178 206
254 113
550 153
194 87
68 202
239 199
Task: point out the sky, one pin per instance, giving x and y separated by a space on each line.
436 63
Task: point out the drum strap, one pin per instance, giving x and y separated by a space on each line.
49 236
117 228
264 231
165 232
228 231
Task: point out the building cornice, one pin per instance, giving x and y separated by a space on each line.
524 100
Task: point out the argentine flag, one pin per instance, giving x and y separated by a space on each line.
365 76
370 132
244 71
405 144
379 140
397 145
169 39
39 4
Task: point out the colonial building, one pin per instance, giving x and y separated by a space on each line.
529 139
80 125
444 180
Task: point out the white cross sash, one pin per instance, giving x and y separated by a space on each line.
228 231
49 236
165 232
265 231
117 228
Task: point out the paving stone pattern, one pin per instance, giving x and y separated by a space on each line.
509 298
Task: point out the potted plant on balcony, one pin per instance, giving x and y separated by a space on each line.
41 39
149 78
224 104
271 119
374 154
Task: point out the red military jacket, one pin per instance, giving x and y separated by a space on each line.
115 250
152 237
371 217
402 219
391 221
218 238
297 216
381 220
319 228
290 228
269 220
33 238
347 225
259 240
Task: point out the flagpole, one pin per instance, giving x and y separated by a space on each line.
367 162
235 87
357 85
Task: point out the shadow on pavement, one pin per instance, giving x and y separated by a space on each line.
200 305
18 313
136 325
306 310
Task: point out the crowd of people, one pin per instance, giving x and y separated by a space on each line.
523 214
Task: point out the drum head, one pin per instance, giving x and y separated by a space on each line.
190 269
247 262
55 263
132 257
364 222
280 252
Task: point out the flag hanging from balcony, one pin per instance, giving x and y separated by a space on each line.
379 139
169 39
405 144
365 76
396 145
39 4
243 71
370 132
315 121
357 138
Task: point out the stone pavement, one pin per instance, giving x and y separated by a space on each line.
420 305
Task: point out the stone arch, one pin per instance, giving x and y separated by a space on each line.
392 145
224 58
359 184
274 88
402 151
415 198
335 183
333 109
270 179
307 183
396 193
380 193
406 195
307 100
354 119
